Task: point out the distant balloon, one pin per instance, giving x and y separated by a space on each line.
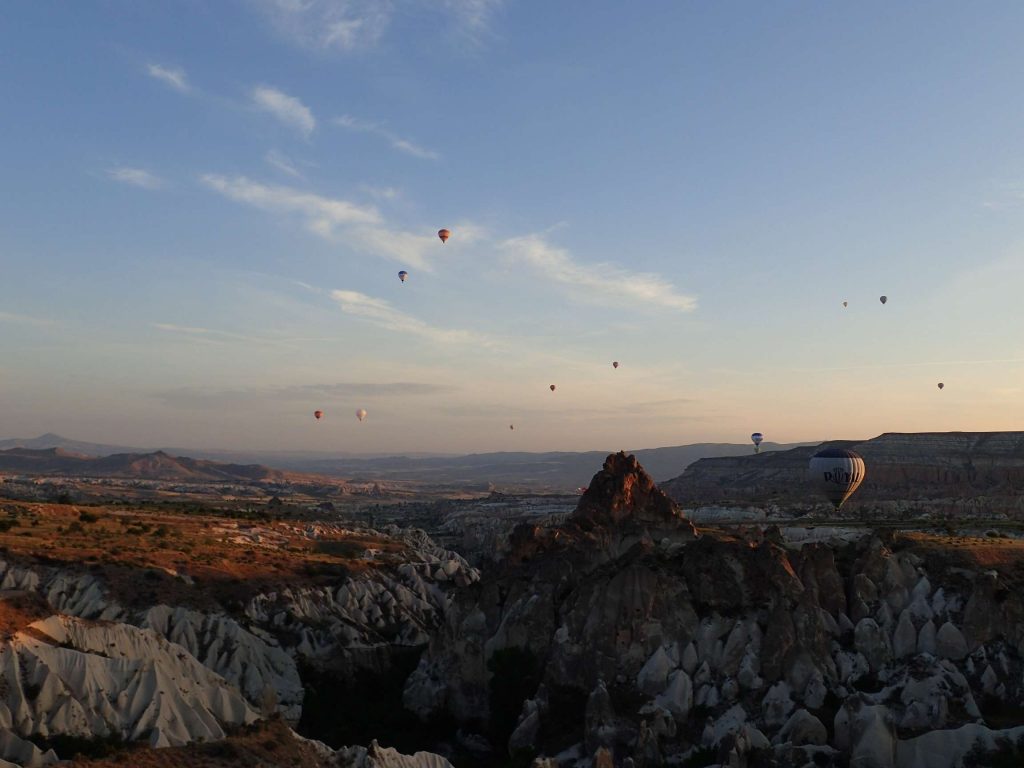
318 415
444 234
837 472
402 275
845 303
552 387
511 426
941 385
883 299
756 439
615 364
361 414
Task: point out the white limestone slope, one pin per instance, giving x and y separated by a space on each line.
67 676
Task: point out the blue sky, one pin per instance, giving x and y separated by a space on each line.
204 207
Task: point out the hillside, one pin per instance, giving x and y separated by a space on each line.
958 468
142 466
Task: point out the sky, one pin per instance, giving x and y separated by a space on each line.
204 206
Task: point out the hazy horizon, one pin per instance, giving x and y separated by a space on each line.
201 232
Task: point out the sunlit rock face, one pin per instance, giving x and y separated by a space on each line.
815 653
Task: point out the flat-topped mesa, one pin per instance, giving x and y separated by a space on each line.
622 493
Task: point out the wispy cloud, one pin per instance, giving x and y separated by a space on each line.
382 193
282 163
137 177
397 142
473 17
330 218
380 313
602 283
288 109
209 334
322 214
15 318
330 25
323 394
173 76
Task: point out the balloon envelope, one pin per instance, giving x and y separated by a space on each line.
883 299
318 415
361 414
444 234
757 437
844 303
402 275
837 473
941 385
552 387
615 364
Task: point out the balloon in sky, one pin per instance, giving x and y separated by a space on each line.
941 385
444 234
615 364
845 303
402 275
552 387
756 439
837 472
511 426
361 414
883 299
318 415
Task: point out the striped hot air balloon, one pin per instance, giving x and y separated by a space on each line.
444 234
756 439
837 472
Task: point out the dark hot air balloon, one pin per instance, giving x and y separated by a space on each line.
402 275
941 385
552 387
756 439
883 299
844 303
615 364
318 415
837 472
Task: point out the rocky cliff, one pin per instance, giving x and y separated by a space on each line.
956 472
622 634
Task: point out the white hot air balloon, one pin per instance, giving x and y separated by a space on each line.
361 414
837 472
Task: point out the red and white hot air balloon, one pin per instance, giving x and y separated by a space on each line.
444 234
318 415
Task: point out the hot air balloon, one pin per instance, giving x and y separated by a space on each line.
756 438
615 364
318 415
837 472
844 303
444 234
883 299
552 387
511 426
361 414
402 275
941 385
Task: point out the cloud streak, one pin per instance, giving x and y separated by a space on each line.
172 76
187 397
603 283
376 129
15 318
136 177
380 313
323 215
276 160
287 109
330 25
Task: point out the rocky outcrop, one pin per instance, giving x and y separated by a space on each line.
858 647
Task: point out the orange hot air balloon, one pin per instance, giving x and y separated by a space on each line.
318 414
444 234
552 387
615 364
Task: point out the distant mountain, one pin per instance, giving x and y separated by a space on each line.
562 470
555 470
142 466
50 440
